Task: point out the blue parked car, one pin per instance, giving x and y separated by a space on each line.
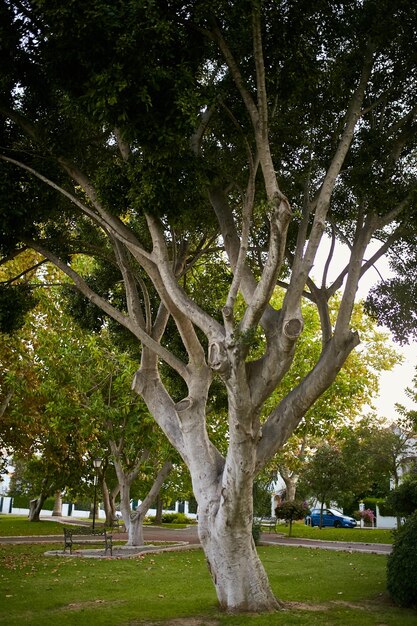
330 518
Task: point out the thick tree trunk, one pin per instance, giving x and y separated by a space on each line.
226 519
239 577
37 504
223 490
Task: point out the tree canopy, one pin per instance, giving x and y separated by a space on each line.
152 135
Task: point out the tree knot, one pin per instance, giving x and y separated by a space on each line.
293 328
217 357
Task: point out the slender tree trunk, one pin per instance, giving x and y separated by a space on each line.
136 519
57 512
37 504
159 509
290 486
125 501
321 514
135 532
36 507
108 504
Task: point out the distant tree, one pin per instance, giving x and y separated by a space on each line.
407 415
403 499
326 475
393 301
392 450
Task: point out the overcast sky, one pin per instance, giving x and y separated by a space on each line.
394 383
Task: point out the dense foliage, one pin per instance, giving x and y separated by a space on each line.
403 499
402 565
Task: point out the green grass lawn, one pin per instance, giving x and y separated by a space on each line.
366 535
15 525
318 587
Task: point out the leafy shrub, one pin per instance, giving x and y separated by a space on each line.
21 501
367 515
48 505
173 518
261 498
370 502
290 511
82 505
385 508
402 564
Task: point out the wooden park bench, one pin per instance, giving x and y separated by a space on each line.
268 522
118 525
86 534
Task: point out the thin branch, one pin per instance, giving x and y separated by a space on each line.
106 221
61 190
329 259
363 235
110 222
237 76
5 403
197 137
260 71
132 299
212 329
114 313
123 146
266 285
303 265
247 211
26 271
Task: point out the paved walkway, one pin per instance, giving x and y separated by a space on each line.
189 535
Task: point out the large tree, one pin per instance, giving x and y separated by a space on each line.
151 135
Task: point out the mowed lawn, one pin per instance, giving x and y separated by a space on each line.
365 535
174 588
19 525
